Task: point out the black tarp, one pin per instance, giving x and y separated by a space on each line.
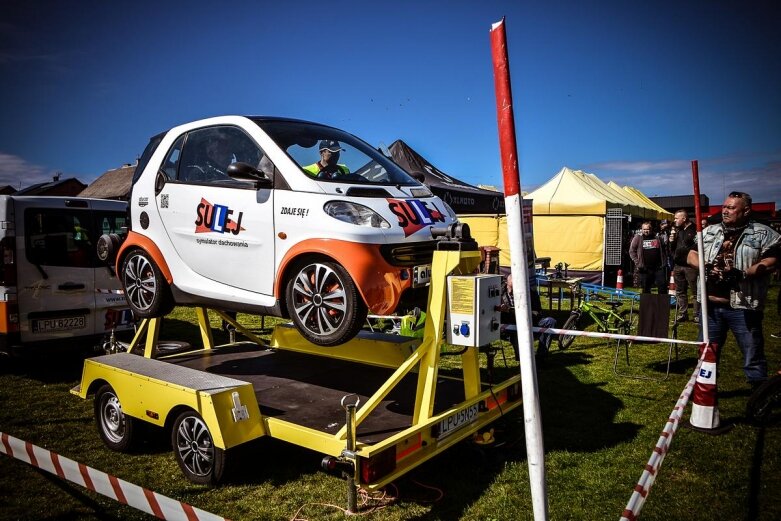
462 197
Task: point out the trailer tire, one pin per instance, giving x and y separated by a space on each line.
116 428
201 462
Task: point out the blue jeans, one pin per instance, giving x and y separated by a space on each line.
543 345
746 325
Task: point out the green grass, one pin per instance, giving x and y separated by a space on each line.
599 431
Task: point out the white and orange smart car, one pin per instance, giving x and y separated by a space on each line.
279 217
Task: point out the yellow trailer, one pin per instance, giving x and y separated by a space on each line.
376 406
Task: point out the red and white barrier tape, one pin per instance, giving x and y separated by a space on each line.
117 489
647 478
594 334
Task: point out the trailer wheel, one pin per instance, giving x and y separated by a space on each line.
146 290
194 450
324 303
114 426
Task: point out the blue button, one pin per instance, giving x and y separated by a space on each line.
464 329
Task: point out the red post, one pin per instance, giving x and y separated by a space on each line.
535 453
504 111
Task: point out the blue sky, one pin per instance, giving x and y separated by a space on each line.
629 91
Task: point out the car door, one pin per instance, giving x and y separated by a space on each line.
55 268
221 228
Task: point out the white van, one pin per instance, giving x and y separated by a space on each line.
53 288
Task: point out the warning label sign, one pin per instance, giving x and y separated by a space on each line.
462 297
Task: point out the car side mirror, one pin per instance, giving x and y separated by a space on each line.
246 172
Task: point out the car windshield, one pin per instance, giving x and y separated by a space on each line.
330 154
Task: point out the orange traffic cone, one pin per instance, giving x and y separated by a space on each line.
671 286
620 280
705 409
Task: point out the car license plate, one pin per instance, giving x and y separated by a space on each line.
421 275
457 420
46 325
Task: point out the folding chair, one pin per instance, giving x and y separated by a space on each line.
653 321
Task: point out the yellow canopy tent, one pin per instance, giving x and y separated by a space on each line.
569 218
661 213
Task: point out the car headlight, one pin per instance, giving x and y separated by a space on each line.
355 214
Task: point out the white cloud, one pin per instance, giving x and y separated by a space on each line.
757 174
17 172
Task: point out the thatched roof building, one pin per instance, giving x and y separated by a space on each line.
114 184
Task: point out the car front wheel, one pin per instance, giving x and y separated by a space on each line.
324 303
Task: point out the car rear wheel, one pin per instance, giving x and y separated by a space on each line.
114 426
146 290
324 303
194 450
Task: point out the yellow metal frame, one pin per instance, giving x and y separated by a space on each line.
413 445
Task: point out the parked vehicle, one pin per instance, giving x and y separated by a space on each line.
235 213
53 287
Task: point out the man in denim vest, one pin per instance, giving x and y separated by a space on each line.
739 256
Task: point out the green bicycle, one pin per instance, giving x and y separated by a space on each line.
604 315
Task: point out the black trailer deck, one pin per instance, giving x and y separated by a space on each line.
307 389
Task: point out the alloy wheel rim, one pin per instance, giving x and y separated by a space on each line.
194 446
140 282
319 299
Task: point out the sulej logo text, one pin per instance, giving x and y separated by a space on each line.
216 218
414 215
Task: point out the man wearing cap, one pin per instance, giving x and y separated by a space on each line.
739 256
328 167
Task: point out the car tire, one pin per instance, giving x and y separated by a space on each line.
116 428
566 340
201 462
146 290
324 303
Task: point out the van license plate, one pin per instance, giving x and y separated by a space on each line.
45 325
457 420
421 275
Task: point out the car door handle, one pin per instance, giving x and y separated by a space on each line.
70 286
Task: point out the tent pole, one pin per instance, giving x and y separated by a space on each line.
535 453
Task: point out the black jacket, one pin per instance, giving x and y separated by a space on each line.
684 241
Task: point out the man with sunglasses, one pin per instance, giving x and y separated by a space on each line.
328 167
739 256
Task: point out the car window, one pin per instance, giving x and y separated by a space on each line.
171 163
56 237
109 222
356 161
146 156
208 152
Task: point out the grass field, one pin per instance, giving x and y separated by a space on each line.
599 432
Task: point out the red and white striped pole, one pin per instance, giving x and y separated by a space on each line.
698 223
114 488
535 453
